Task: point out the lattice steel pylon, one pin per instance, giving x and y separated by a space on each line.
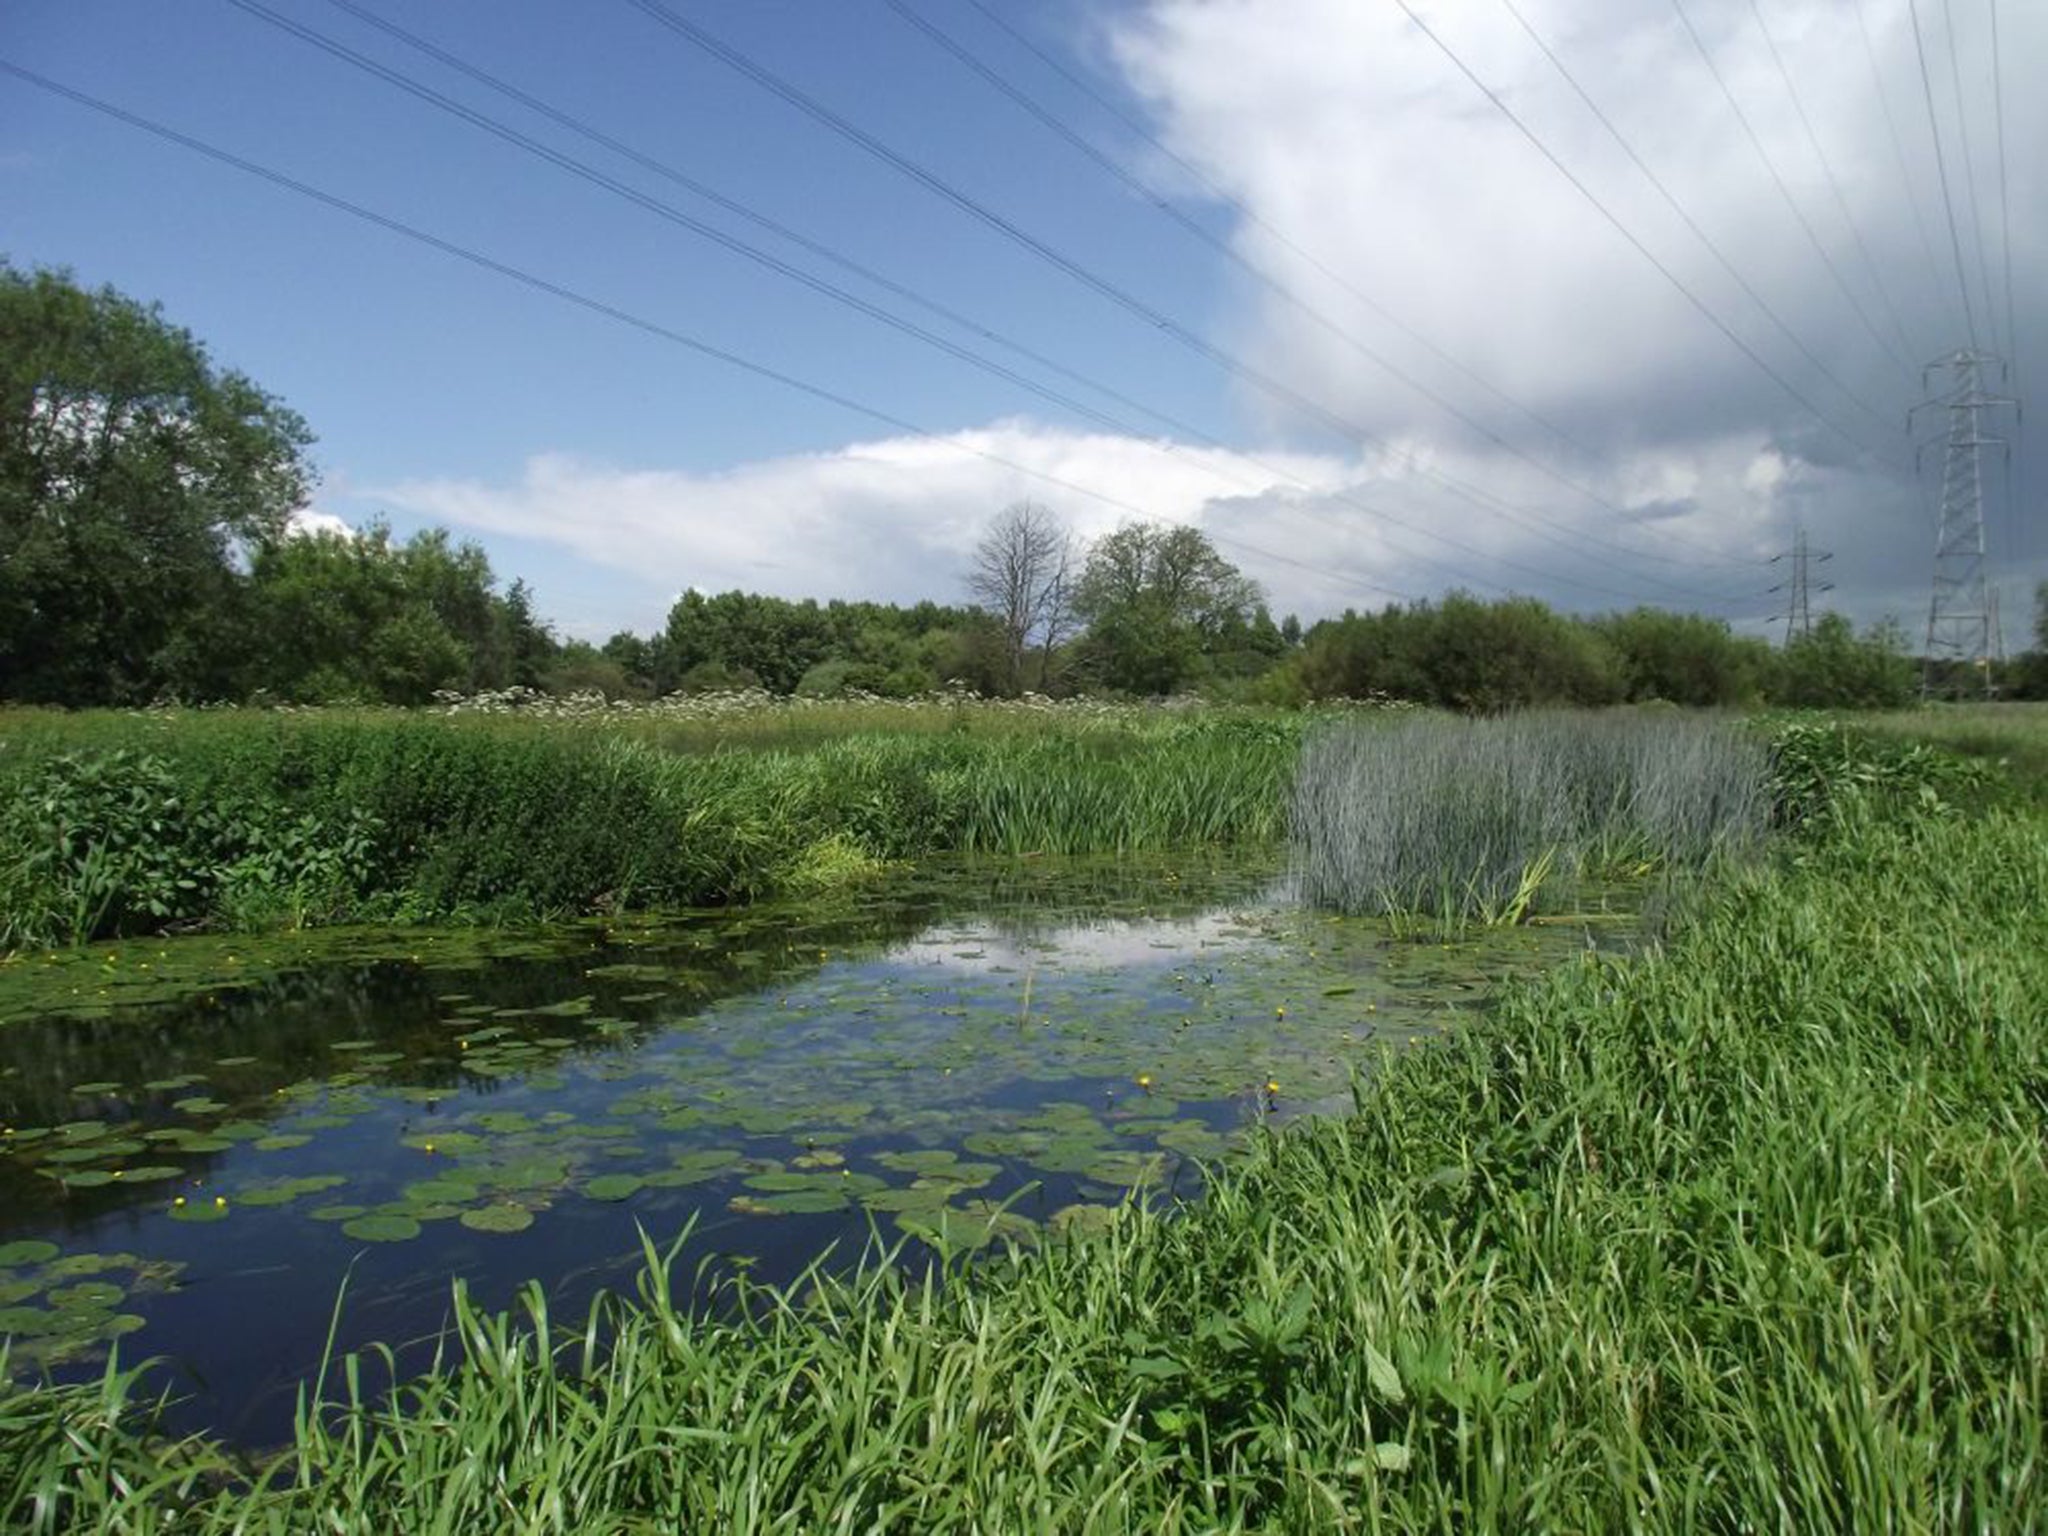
1959 621
1799 590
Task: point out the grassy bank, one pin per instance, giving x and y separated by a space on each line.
113 824
1750 1232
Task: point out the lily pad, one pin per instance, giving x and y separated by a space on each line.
382 1228
27 1250
613 1186
498 1218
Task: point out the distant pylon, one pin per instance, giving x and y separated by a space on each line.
1799 590
1959 618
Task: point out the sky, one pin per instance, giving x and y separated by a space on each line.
1599 301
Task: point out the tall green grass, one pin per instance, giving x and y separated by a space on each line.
248 820
1476 818
1747 1233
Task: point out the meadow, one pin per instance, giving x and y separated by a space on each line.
1741 1232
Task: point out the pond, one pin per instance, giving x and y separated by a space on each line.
202 1141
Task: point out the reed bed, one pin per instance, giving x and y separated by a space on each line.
1481 819
1749 1232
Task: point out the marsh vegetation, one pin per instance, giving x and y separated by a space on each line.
1738 1230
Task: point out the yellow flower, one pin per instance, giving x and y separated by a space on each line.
1273 1085
1145 1081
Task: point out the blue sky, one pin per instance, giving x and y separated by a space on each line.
1394 212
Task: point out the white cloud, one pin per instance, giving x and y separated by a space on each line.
899 518
307 521
1352 133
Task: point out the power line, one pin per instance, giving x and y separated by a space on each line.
1282 291
1941 166
1643 250
1252 217
2014 479
567 295
1679 208
1955 76
2012 340
1828 171
1123 298
741 210
738 247
1906 181
1756 142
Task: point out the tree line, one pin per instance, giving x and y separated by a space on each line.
148 551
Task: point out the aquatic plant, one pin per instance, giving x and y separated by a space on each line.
1459 819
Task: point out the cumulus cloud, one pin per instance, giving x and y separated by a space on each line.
1539 409
1381 181
898 518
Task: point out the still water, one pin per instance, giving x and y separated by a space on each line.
966 1056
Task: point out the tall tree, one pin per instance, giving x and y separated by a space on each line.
1160 603
1022 577
133 473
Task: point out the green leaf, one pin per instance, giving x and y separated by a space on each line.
1386 1381
377 1228
498 1218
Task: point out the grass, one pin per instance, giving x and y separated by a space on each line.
1479 819
2013 734
240 820
1749 1232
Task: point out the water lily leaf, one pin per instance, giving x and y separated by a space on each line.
792 1202
498 1218
439 1190
149 1173
27 1250
200 1211
86 1295
343 1212
382 1228
612 1186
96 1088
200 1105
279 1143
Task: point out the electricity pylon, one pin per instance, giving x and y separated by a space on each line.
1799 600
1959 619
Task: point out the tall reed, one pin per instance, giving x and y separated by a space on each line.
1471 818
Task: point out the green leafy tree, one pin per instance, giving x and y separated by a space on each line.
1160 605
1685 659
133 473
1833 667
360 616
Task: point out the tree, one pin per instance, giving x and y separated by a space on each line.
1022 578
1160 605
1835 668
133 474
